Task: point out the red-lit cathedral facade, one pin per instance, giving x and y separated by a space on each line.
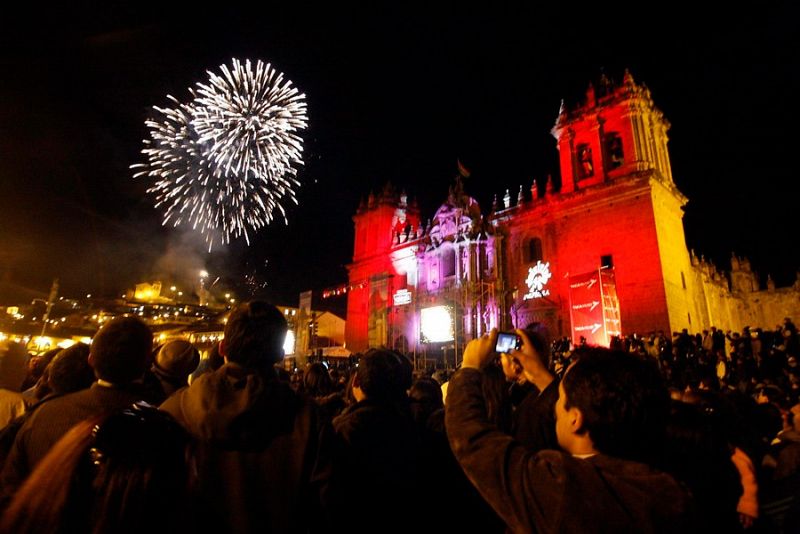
606 254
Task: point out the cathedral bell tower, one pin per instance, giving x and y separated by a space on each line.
618 131
613 153
385 226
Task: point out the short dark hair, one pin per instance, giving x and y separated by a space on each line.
70 370
255 334
316 380
623 401
121 350
384 374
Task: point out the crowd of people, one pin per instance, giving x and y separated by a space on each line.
654 434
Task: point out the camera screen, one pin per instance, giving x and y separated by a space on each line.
506 342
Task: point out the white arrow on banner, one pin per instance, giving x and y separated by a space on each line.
593 327
591 305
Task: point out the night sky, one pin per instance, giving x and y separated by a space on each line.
395 95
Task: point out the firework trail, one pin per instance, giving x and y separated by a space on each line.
226 161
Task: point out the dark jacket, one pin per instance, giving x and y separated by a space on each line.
375 467
259 459
552 491
52 420
534 421
786 452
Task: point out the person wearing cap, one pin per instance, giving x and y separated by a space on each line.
175 360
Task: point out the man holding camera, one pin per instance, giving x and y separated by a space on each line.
607 414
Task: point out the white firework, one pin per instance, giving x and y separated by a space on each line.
224 162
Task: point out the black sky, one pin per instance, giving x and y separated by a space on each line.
394 95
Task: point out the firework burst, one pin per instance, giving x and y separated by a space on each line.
226 161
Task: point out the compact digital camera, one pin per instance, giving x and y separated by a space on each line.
507 342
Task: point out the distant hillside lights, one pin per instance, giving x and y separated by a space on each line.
206 337
39 344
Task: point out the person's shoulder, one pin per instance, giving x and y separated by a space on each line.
49 414
59 402
641 473
172 403
569 462
357 416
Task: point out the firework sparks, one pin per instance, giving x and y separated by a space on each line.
226 161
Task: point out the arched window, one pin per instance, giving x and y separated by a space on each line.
448 262
534 252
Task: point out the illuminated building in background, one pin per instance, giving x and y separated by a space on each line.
411 284
146 292
313 332
603 255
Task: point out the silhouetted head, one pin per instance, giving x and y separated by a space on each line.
254 335
70 370
177 359
384 374
316 380
121 350
622 399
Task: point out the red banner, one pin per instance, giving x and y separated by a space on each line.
593 306
608 290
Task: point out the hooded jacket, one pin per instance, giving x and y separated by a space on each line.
258 451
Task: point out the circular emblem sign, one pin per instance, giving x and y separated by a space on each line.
538 276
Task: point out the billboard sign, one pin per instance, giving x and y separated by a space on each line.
401 297
594 308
